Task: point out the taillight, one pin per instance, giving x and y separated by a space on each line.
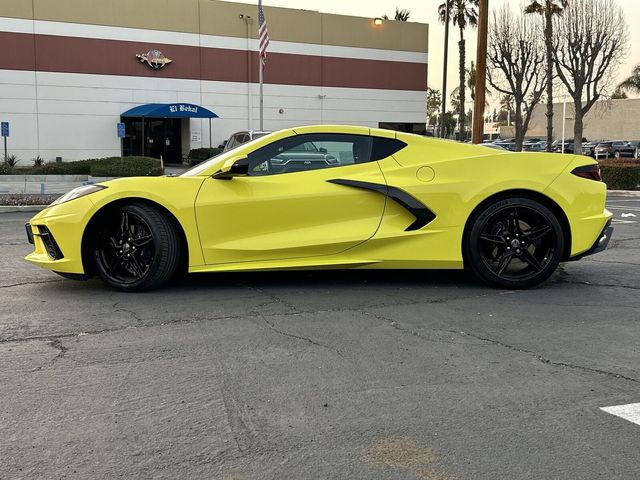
592 172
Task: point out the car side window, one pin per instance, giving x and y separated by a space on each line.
311 151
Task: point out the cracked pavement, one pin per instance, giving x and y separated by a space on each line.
356 374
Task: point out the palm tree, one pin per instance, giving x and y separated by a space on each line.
632 83
401 15
618 94
507 109
548 8
461 13
470 74
471 82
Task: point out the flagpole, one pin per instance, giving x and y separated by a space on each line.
261 77
263 43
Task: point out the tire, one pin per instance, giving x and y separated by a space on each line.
136 248
514 242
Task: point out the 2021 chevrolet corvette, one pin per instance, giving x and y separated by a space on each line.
333 197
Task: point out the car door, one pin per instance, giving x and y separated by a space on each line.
287 207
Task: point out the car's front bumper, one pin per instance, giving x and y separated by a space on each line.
56 235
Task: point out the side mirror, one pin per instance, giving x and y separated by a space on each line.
233 168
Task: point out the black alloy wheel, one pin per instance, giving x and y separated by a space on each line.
515 243
135 248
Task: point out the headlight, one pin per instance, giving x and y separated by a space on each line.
77 193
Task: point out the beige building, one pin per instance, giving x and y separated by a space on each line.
607 120
71 70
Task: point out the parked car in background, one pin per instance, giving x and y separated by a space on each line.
495 146
614 148
533 147
239 138
588 148
507 144
568 146
636 146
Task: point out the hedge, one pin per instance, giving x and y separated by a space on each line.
198 155
98 167
621 175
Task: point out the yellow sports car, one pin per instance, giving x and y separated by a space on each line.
333 197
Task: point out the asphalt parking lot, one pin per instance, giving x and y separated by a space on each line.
299 375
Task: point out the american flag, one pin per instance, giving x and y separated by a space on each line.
263 32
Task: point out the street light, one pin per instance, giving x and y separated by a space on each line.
377 21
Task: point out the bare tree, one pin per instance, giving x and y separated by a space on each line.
516 58
548 9
590 42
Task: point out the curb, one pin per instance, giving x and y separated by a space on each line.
21 208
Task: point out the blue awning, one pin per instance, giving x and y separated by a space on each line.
170 110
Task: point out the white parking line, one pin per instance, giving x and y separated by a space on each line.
630 412
620 207
617 220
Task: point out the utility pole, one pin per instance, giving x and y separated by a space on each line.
444 70
481 72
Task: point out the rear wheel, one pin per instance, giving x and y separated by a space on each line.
515 242
135 248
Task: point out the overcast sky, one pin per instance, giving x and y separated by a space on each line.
425 11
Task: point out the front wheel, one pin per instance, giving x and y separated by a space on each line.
135 248
514 242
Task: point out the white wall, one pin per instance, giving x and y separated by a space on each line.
74 115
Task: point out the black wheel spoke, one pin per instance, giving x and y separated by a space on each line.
530 259
124 224
492 239
115 263
537 233
504 263
141 241
136 267
113 243
514 221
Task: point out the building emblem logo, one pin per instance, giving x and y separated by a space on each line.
154 58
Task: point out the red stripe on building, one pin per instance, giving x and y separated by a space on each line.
116 57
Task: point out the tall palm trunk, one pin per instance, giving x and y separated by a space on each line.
463 79
548 39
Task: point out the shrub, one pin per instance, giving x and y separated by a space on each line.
100 167
11 161
198 155
38 161
621 175
126 167
79 167
5 169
